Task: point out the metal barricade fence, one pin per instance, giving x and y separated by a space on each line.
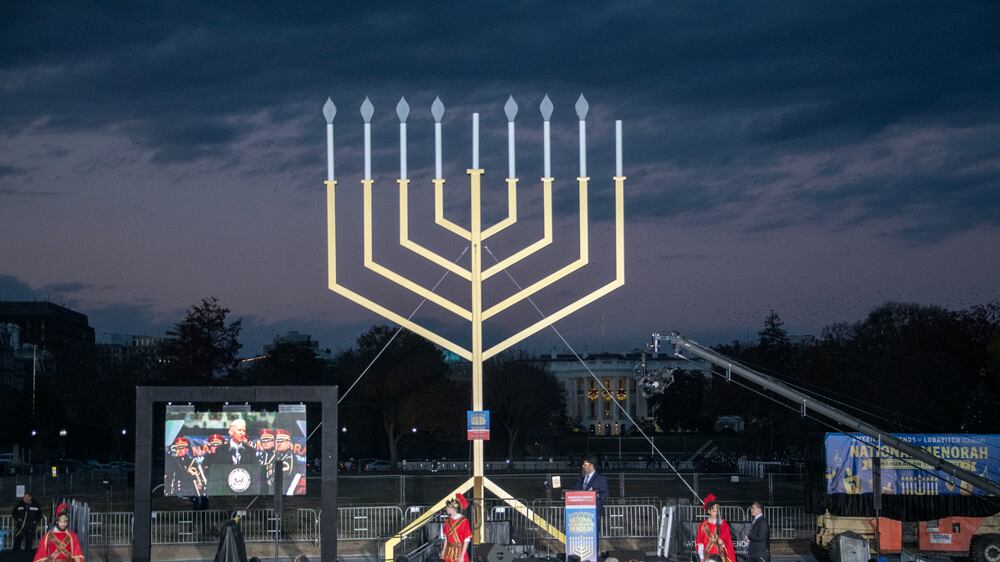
630 521
790 522
368 523
111 529
7 531
363 523
306 526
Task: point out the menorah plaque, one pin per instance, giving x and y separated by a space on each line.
474 235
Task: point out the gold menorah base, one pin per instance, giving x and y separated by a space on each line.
478 511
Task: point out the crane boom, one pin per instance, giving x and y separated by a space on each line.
806 402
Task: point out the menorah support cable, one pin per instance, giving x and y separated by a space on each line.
477 313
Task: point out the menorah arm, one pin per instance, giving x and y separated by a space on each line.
511 211
404 236
524 510
618 281
392 275
335 286
544 241
430 513
439 212
560 273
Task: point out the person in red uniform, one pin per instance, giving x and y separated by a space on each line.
456 531
59 543
714 536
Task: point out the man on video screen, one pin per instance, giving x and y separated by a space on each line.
237 451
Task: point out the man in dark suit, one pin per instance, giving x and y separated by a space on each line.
759 535
592 481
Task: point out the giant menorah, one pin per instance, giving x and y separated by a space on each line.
477 314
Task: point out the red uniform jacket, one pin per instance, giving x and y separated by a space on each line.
59 545
456 531
716 539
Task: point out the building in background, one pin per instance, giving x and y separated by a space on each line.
56 330
127 351
592 408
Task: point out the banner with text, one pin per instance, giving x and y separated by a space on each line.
849 459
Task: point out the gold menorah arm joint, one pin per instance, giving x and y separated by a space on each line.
544 241
439 212
560 273
618 281
511 210
431 512
331 220
525 511
404 236
391 275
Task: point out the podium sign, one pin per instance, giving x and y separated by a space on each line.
581 525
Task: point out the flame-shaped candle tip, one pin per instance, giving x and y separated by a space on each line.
367 110
582 107
329 110
546 108
402 110
510 108
437 110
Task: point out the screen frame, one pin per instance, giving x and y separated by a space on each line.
147 396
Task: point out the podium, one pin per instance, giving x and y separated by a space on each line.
581 526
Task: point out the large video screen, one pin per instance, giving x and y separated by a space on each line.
236 452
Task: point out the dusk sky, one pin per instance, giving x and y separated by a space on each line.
815 159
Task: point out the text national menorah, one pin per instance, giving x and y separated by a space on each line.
475 235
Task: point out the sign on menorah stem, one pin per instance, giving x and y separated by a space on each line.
477 272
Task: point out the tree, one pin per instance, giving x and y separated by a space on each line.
288 363
773 338
202 347
528 402
407 386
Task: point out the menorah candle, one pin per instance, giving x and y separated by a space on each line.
329 151
402 111
546 109
618 148
510 109
546 150
437 151
329 111
437 111
402 151
510 150
581 111
368 151
367 110
475 141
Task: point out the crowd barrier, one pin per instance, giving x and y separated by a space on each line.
785 522
631 518
7 532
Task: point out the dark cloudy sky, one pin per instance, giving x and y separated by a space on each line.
817 159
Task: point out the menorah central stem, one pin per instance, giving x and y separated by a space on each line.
478 464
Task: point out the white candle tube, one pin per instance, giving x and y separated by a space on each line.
583 149
402 151
510 150
547 151
329 151
618 148
475 141
437 150
368 151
